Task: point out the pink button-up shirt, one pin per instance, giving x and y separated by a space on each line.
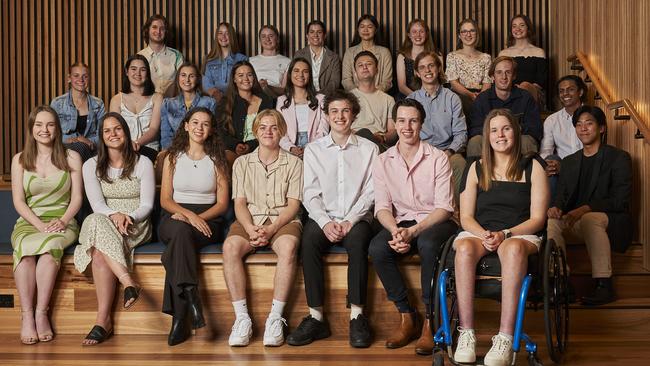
412 194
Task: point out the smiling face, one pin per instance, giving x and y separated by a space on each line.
340 116
569 94
198 127
417 34
157 31
408 124
45 128
223 36
588 130
503 75
316 35
188 79
367 30
366 68
268 132
300 74
113 134
427 70
468 34
78 78
519 28
502 134
244 78
268 39
137 73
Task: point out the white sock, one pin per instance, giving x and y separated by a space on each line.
316 313
355 311
277 307
241 309
507 336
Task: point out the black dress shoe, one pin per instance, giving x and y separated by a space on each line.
194 306
308 331
180 331
603 293
360 336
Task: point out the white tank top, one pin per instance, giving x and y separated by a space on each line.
139 122
194 181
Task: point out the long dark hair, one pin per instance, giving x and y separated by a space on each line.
198 89
232 93
129 156
289 88
378 39
30 151
530 34
149 88
213 145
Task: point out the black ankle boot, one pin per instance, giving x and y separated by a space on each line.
195 309
180 331
602 294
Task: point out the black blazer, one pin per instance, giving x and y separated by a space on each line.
239 111
609 190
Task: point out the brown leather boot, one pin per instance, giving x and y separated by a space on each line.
424 345
406 332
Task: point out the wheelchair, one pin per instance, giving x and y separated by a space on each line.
544 286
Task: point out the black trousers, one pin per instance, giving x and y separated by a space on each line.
428 245
315 243
84 150
181 257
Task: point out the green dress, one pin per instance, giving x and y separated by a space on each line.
48 198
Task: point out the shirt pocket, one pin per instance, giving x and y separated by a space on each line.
281 190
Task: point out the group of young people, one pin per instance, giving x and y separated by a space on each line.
348 158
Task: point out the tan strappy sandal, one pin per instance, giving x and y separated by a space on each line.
27 340
45 337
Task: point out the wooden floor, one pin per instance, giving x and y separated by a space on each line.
153 350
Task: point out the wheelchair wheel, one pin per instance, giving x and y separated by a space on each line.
438 359
556 300
434 297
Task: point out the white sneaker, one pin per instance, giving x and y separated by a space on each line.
466 349
274 330
501 352
241 332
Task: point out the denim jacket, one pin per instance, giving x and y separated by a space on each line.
217 71
172 112
68 114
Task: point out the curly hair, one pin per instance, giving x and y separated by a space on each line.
213 145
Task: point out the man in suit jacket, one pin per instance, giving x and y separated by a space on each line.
593 200
325 64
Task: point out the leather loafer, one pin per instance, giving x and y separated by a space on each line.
406 332
180 331
424 345
194 307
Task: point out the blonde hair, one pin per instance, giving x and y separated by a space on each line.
279 120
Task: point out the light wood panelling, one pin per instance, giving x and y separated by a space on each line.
41 38
614 35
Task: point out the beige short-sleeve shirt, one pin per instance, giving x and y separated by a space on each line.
267 189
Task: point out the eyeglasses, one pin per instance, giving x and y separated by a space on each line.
468 31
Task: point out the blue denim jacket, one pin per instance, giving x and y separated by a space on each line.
172 112
68 114
217 71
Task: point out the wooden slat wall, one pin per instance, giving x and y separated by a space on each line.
615 36
41 38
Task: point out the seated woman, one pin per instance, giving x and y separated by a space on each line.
467 67
193 195
302 109
532 66
502 209
79 112
368 38
46 188
270 66
218 63
244 100
139 105
267 190
120 187
418 40
188 95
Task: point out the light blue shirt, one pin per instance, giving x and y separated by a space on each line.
65 108
217 71
444 125
172 112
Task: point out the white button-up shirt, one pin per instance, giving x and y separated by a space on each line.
338 180
559 135
316 62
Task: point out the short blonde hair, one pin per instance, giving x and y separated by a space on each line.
282 124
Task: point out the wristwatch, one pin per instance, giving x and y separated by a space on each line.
506 234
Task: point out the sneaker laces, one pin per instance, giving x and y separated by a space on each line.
500 345
241 326
277 325
308 324
466 338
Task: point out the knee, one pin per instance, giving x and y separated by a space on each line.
465 250
286 248
512 251
98 259
233 248
593 221
379 248
474 146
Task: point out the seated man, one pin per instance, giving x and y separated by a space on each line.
374 122
560 139
414 203
325 64
267 189
338 194
593 200
444 126
503 94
